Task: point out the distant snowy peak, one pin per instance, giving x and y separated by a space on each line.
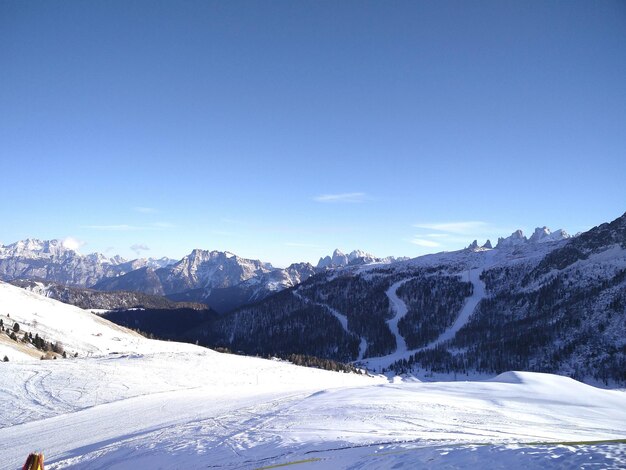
517 238
58 261
540 235
475 247
543 234
33 248
355 257
59 250
209 269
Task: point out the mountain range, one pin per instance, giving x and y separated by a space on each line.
221 280
54 261
549 302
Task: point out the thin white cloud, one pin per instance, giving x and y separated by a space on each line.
145 210
341 198
139 247
461 228
425 243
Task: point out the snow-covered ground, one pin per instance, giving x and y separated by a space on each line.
135 403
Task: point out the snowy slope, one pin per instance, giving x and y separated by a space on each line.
78 330
133 412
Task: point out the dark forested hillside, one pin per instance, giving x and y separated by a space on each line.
433 303
556 306
93 299
363 301
282 324
566 314
170 324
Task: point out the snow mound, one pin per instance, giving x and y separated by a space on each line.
550 387
514 377
537 379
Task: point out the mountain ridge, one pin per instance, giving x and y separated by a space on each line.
220 279
545 304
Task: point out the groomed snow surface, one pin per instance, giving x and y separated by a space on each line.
135 403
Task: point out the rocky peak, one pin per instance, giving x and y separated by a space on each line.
324 262
355 257
339 259
543 234
515 239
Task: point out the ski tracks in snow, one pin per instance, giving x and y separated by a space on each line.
399 307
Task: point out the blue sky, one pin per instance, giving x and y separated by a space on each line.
281 130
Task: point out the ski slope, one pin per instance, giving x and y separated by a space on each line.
400 309
471 275
478 294
154 404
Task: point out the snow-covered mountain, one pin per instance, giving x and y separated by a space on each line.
222 280
549 303
213 277
57 261
540 235
355 257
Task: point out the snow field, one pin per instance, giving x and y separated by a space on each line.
225 411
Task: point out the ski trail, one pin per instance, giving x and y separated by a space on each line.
401 352
343 319
473 276
398 306
478 293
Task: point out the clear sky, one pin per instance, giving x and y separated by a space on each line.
281 130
